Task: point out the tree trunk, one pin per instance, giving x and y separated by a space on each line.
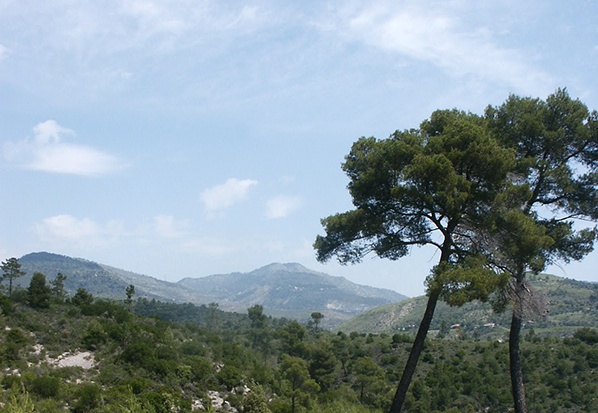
517 386
418 346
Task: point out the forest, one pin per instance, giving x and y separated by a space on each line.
149 356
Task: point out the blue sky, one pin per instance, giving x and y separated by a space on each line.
187 138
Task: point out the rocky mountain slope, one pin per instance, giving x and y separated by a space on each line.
290 290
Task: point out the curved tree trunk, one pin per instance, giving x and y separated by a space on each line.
418 346
517 386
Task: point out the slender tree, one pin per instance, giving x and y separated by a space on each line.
11 269
130 292
57 287
300 385
259 333
317 318
422 187
554 186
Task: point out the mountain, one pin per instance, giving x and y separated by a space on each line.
292 291
288 290
569 304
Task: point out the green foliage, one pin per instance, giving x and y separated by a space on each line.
430 186
317 318
255 401
132 404
57 287
259 335
16 342
147 365
11 269
299 385
292 338
94 336
88 396
6 306
554 184
38 293
105 308
130 292
46 386
368 379
322 365
19 401
587 335
230 376
82 297
472 280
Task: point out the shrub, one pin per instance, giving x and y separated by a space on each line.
6 306
88 398
587 335
94 335
82 297
9 381
230 376
46 386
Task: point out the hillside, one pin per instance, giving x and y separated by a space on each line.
288 290
101 356
100 280
570 304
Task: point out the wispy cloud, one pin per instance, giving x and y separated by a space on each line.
85 233
90 31
282 206
443 39
223 196
49 151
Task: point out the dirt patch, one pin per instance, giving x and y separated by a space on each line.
83 359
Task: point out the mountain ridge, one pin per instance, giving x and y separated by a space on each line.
283 289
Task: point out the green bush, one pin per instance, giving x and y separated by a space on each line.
229 376
587 335
45 386
94 335
88 397
9 381
6 306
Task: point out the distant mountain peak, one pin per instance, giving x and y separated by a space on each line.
283 267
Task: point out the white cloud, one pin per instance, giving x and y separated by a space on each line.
282 206
48 151
442 38
223 196
167 226
83 233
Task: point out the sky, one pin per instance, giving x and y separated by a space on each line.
196 137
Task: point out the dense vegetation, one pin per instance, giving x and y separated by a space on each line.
148 356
